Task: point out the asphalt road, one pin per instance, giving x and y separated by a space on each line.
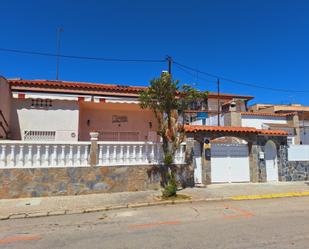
275 223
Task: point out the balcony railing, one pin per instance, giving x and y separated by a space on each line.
30 154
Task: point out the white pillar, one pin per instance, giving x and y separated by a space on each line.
78 156
145 157
54 156
62 164
71 159
152 154
21 156
140 156
38 155
2 157
107 154
12 156
29 163
115 154
127 160
181 154
46 156
86 156
101 155
121 158
158 157
134 159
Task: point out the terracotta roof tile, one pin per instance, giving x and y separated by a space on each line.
196 128
70 86
65 85
272 132
201 128
267 114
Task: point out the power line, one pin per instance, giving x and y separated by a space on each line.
194 76
238 82
79 57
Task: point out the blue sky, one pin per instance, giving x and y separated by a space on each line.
257 41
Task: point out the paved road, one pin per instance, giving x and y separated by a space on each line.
276 223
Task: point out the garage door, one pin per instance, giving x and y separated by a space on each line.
229 163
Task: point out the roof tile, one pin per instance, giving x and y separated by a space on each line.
59 86
267 114
201 128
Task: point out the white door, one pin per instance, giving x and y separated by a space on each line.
230 163
197 163
271 162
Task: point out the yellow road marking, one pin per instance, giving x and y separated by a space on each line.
269 196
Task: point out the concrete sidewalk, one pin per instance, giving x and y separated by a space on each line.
246 189
49 206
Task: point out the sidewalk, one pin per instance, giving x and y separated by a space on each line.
60 205
246 189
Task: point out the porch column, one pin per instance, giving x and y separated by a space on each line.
93 158
206 169
254 161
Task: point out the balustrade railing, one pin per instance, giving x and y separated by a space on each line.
29 154
23 154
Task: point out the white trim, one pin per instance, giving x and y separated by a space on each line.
87 98
34 95
120 100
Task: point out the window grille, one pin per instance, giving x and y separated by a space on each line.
39 135
41 103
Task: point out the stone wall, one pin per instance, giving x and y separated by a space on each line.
16 183
292 170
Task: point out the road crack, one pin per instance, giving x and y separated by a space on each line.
196 211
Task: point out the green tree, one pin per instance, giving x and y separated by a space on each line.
169 101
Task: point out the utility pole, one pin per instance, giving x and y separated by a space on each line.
169 61
59 30
218 96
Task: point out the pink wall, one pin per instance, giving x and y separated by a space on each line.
5 105
99 117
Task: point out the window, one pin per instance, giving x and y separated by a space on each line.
41 103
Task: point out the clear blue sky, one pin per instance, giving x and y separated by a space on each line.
259 41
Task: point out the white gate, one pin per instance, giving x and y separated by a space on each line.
271 162
229 163
197 163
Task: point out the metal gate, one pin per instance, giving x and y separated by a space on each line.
229 163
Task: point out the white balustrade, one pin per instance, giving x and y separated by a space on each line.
134 153
29 154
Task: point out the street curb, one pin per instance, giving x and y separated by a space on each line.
149 204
